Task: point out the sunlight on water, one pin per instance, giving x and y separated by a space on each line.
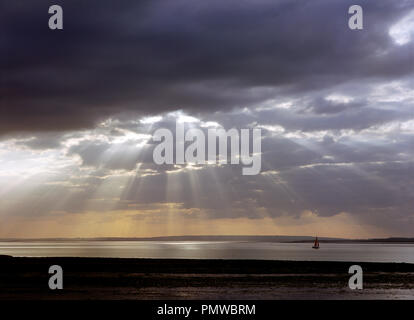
212 250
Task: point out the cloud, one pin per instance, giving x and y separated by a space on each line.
151 57
335 106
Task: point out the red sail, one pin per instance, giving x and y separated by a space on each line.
316 243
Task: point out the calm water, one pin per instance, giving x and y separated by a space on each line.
213 250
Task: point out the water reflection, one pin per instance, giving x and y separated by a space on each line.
212 250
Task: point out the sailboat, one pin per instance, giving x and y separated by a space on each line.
316 244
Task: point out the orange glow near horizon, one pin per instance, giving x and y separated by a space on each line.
120 224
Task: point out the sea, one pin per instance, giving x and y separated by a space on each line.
212 250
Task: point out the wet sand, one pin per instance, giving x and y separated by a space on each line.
146 279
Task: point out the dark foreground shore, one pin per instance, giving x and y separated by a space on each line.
103 278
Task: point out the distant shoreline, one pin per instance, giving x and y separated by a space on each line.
278 239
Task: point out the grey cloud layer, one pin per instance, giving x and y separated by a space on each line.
154 56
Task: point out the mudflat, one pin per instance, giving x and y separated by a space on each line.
23 278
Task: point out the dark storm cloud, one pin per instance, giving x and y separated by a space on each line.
342 141
323 106
147 57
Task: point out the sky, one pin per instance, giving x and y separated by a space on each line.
78 108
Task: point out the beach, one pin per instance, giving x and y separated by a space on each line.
26 278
